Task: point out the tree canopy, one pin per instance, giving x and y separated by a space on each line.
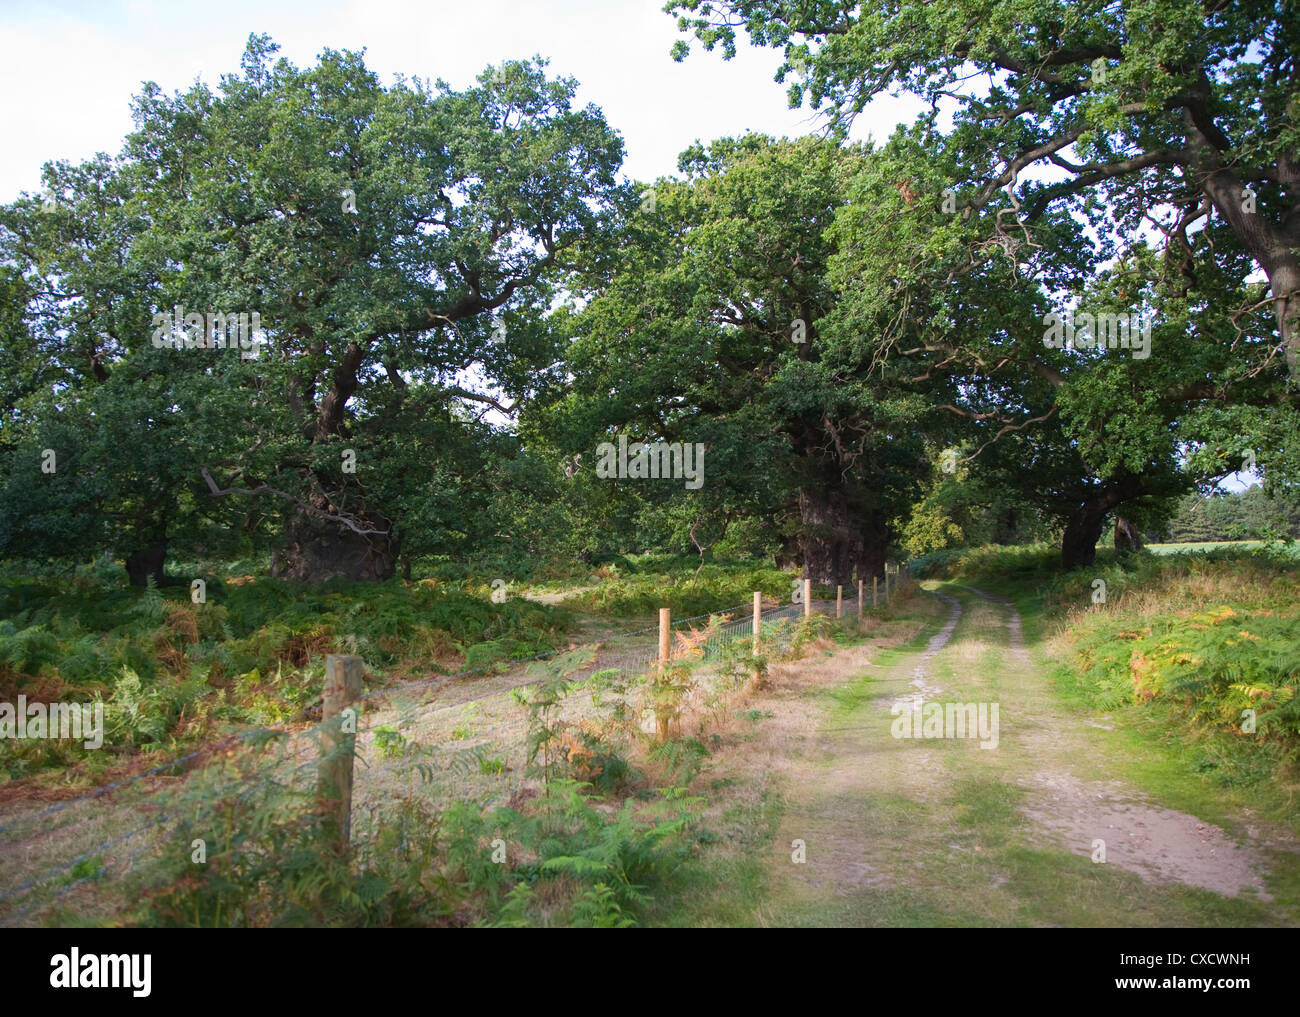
352 325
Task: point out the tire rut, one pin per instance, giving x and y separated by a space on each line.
919 682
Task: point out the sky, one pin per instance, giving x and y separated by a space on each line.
79 62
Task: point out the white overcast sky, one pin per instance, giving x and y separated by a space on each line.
70 67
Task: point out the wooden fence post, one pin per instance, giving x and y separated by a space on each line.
886 582
860 582
758 617
343 674
665 643
875 592
807 598
839 602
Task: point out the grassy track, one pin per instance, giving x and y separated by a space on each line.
938 831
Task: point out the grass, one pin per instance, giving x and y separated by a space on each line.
709 588
1175 746
941 833
897 833
417 752
173 673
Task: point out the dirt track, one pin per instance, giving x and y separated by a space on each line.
939 831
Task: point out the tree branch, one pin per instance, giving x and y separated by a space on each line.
267 489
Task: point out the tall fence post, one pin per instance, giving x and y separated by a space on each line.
886 582
343 675
875 591
807 598
860 583
665 643
758 617
839 602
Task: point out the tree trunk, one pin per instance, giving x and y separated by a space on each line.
830 540
1127 537
789 555
1083 530
147 561
1079 542
1285 283
316 552
1272 242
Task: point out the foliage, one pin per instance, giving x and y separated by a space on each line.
545 730
389 740
709 588
805 438
172 672
227 199
1213 661
268 862
1232 515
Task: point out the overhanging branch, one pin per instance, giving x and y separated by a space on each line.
267 489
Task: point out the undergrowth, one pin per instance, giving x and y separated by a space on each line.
172 672
601 840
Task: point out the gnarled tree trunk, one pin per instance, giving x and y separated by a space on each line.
1127 537
1083 530
1079 542
829 537
316 551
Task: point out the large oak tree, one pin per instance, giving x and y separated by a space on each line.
402 247
709 329
1192 106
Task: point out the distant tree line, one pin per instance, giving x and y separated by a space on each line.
1235 515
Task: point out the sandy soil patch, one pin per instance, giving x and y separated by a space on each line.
1160 845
